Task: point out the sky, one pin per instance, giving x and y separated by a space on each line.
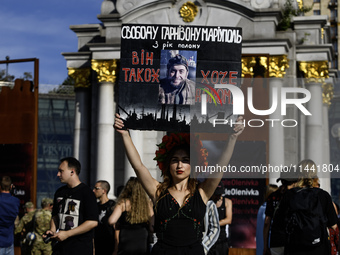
41 29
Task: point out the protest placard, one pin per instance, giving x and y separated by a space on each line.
166 71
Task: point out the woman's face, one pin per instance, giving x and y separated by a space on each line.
180 164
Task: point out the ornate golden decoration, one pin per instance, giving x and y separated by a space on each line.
277 66
81 77
106 70
327 93
188 11
314 71
250 65
300 4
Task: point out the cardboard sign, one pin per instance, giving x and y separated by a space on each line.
169 73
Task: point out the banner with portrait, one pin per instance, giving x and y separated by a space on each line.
166 71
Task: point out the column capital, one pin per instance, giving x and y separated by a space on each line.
314 72
107 70
254 65
81 77
327 93
277 66
259 65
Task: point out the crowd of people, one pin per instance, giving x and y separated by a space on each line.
180 215
300 217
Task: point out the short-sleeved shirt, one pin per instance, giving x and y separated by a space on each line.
328 212
74 206
277 231
104 233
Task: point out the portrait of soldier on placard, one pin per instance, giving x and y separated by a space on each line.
178 86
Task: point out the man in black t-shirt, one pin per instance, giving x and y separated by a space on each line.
274 220
104 233
74 214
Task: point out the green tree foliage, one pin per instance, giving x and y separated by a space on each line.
67 87
288 12
4 78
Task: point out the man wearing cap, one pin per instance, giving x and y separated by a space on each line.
25 225
177 88
42 224
9 209
29 207
274 220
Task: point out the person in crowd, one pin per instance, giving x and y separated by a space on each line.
42 224
261 217
334 235
177 88
308 196
104 232
39 221
179 201
74 214
29 207
132 217
276 225
9 210
211 226
24 226
225 210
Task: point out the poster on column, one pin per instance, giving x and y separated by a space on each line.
166 71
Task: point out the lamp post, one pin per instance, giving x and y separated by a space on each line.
7 58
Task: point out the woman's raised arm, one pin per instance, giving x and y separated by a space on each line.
207 187
149 183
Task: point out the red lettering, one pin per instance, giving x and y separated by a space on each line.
224 75
139 74
198 95
132 75
142 58
135 59
155 75
232 77
226 93
147 75
149 58
214 73
125 70
205 77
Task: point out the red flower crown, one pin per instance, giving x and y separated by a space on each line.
175 139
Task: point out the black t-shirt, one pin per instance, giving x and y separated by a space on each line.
328 211
104 233
277 236
272 201
74 206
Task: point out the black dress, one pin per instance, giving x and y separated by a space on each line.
179 229
133 238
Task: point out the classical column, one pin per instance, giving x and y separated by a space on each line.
81 143
137 138
277 67
106 76
327 95
315 74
